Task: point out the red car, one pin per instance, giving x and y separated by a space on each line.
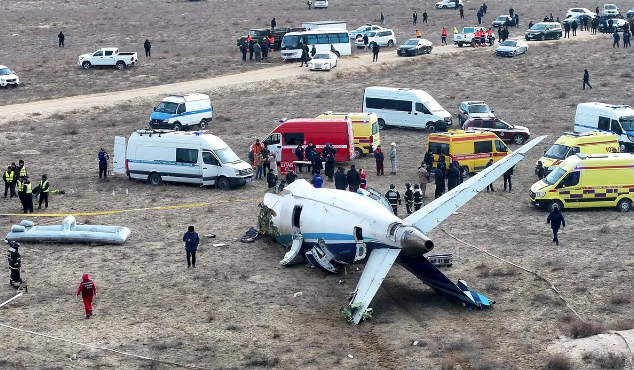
506 131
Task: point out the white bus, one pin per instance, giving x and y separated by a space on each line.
293 42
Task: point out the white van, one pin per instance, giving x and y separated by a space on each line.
618 119
191 157
321 4
406 108
178 111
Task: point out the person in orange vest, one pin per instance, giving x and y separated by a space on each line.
490 37
443 36
88 290
418 35
483 38
249 38
271 43
476 38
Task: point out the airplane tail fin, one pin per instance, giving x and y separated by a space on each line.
435 279
377 267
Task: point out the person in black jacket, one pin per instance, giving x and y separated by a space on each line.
453 177
147 46
375 52
329 166
409 198
556 220
304 57
379 157
490 186
61 38
299 154
440 181
290 177
539 170
317 161
341 179
273 23
354 179
15 263
271 181
251 50
429 160
507 178
394 197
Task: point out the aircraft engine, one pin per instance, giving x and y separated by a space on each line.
413 242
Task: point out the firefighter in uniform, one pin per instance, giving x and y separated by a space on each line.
418 197
8 182
394 197
15 263
44 190
409 198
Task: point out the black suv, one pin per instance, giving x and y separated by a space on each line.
544 30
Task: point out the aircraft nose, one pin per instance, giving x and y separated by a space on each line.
414 242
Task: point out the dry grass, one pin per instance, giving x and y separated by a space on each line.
559 361
580 329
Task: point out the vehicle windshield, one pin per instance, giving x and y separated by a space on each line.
467 30
291 42
626 122
557 151
371 34
257 33
501 18
509 43
480 108
411 42
360 29
226 155
555 176
321 56
433 106
5 72
538 27
167 107
609 6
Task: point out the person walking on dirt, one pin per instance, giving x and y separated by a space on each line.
626 39
61 38
191 240
490 186
574 27
556 220
443 36
382 19
354 179
425 16
147 46
273 23
309 3
103 163
44 190
244 48
393 158
304 58
418 197
257 49
586 79
88 291
616 39
461 13
567 30
439 179
251 50
365 43
540 170
15 263
8 182
341 179
423 176
375 52
507 178
379 157
414 18
479 15
409 198
28 196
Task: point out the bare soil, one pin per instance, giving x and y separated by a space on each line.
237 310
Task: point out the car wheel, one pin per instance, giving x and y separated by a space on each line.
464 170
223 184
518 139
514 53
382 125
120 65
622 148
417 52
431 127
624 205
541 37
203 124
555 204
460 44
390 43
358 153
557 36
155 179
86 65
444 7
177 126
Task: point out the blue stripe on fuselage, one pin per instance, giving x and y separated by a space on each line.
342 246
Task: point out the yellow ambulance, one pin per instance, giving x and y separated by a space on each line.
473 149
571 143
587 181
365 128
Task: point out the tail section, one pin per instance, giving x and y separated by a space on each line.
430 275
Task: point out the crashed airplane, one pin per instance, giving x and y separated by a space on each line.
333 227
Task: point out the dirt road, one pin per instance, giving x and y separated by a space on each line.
286 71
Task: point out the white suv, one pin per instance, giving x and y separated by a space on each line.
473 109
321 4
8 78
610 10
380 37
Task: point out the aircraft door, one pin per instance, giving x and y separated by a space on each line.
361 249
297 213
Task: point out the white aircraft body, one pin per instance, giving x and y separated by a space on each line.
334 227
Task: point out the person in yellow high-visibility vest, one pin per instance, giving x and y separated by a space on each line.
21 190
21 169
28 196
8 182
44 189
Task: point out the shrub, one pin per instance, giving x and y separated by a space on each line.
559 361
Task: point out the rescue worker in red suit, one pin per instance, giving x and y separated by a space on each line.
88 290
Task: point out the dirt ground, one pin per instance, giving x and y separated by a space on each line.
237 310
190 39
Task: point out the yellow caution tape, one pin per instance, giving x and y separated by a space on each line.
194 205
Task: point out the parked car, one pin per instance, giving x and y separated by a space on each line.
323 61
448 4
466 35
503 20
363 30
8 78
630 13
511 48
473 109
544 30
610 10
617 23
580 11
107 57
182 111
574 17
414 47
381 37
505 131
321 4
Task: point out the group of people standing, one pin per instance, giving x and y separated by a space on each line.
17 177
258 48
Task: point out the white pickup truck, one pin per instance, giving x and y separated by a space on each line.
107 57
466 36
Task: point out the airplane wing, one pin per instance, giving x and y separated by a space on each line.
377 267
430 216
423 269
